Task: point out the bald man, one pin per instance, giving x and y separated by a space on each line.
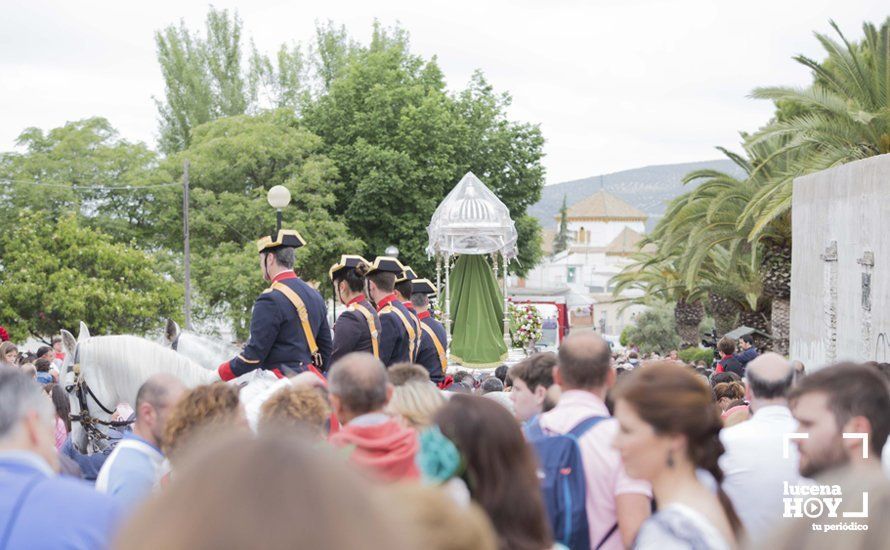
359 390
134 466
753 464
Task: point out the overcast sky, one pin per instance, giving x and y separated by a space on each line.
614 84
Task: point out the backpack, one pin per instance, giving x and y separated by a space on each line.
563 484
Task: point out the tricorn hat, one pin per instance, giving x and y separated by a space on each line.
407 275
423 286
387 264
280 239
347 262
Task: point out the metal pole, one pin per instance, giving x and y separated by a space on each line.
278 219
187 261
506 305
448 297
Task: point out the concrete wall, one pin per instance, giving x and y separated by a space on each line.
840 277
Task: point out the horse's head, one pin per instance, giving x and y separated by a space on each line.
68 376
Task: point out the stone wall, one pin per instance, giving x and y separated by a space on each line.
840 276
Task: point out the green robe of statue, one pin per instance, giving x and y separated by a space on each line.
477 315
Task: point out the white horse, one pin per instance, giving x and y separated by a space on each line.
113 368
208 352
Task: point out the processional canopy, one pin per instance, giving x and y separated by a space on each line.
472 220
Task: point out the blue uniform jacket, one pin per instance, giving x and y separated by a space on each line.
429 354
41 510
276 333
352 333
394 344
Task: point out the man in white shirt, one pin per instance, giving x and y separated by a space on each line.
134 466
753 464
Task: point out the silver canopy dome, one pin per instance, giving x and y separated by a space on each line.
472 220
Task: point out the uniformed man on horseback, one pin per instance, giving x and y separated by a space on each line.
399 339
289 331
358 328
434 342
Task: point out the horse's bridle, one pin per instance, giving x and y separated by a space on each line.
81 391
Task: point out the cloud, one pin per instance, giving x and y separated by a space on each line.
614 84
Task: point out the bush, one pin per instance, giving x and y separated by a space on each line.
655 330
693 355
624 339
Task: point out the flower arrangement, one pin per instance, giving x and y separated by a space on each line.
525 325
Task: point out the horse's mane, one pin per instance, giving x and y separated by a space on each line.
120 364
208 351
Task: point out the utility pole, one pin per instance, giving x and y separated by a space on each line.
187 252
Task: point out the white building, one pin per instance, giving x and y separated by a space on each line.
604 232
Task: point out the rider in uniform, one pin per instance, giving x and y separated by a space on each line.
399 339
404 289
357 328
432 356
289 331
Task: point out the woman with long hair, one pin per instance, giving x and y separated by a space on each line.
63 412
499 469
669 428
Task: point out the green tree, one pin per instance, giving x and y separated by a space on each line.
840 118
83 167
562 236
58 273
401 143
233 163
654 330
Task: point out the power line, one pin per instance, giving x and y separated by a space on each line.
11 183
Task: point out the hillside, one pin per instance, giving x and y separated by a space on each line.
649 188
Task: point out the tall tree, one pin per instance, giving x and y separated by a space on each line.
561 242
234 161
401 143
58 273
85 168
203 77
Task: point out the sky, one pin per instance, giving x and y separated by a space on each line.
614 84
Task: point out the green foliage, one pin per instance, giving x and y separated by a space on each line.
562 236
654 330
68 169
58 273
233 162
402 142
624 339
694 355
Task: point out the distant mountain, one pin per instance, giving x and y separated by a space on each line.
649 188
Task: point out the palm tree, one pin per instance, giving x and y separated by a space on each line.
844 116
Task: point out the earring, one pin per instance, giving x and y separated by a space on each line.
670 460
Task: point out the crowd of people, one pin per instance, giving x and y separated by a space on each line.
583 448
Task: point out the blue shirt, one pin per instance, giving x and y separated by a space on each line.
131 471
40 510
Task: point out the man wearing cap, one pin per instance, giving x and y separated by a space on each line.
289 331
434 339
357 328
399 339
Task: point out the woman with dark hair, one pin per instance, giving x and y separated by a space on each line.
669 428
357 328
498 467
63 412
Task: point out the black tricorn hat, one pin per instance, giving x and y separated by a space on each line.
387 264
407 275
347 262
423 286
280 239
